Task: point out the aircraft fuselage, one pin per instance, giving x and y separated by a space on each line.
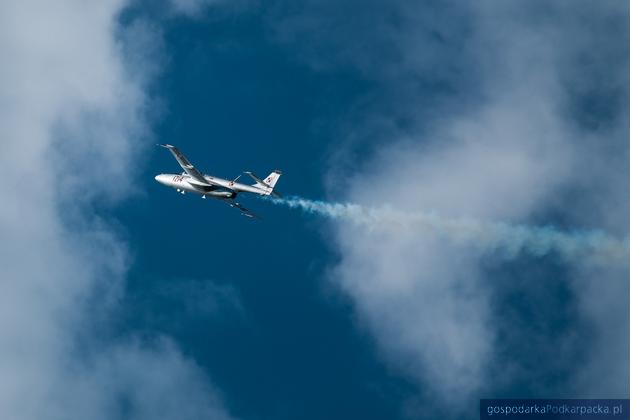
224 190
219 188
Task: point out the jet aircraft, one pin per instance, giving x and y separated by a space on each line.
192 180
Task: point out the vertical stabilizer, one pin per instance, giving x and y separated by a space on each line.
268 183
272 178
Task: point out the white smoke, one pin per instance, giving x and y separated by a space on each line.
532 125
505 239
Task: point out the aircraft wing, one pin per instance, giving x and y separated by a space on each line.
186 165
242 209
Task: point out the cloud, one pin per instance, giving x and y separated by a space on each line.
73 110
190 7
527 110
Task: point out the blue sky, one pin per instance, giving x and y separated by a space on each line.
483 146
283 344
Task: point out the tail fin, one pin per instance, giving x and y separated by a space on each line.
272 178
268 183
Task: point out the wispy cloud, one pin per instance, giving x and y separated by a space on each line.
484 112
73 110
191 7
199 8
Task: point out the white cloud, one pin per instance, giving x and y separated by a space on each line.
425 298
72 113
191 8
514 152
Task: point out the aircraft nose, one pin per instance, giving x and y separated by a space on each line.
160 178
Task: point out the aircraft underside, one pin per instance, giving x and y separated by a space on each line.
213 191
207 191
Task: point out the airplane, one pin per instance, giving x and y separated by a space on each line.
224 190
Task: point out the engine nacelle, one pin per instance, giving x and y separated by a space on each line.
221 194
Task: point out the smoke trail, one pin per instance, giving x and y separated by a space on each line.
506 239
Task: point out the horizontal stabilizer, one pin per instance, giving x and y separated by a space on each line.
255 178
